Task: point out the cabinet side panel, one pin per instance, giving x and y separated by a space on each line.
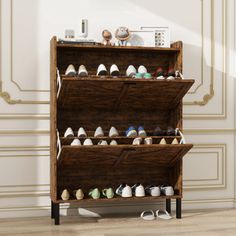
177 64
53 115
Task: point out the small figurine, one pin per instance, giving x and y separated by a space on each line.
107 36
122 34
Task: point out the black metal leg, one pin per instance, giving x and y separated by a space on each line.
52 210
178 208
57 213
168 205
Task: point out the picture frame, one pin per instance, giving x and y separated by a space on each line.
162 35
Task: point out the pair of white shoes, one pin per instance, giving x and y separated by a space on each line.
163 141
104 142
81 133
131 70
124 190
82 71
102 70
150 215
156 191
113 132
89 142
138 141
76 142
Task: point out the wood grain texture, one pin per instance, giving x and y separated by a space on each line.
53 119
108 101
109 94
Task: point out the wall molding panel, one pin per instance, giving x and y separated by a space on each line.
209 119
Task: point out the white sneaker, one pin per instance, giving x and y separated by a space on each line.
167 190
88 142
98 132
69 133
70 71
137 141
170 78
138 190
102 142
142 69
161 77
82 72
148 141
76 142
81 133
124 190
113 132
131 71
102 70
127 191
163 141
65 195
154 191
114 70
113 142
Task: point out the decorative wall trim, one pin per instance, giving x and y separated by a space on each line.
220 181
207 97
12 80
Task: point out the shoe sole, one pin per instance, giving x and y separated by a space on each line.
103 72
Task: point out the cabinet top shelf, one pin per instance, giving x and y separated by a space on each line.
102 47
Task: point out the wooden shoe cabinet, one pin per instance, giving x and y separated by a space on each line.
95 101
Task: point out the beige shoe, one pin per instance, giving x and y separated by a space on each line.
163 141
82 72
79 194
65 195
113 142
113 132
175 141
99 132
70 71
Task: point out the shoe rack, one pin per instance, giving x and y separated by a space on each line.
96 101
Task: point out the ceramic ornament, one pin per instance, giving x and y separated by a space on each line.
107 36
122 34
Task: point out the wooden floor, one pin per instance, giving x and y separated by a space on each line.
210 223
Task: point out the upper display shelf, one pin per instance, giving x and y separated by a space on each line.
102 47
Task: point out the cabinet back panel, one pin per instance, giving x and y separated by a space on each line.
91 58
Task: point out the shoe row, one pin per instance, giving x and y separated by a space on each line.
140 131
140 73
113 132
131 132
138 190
124 190
136 141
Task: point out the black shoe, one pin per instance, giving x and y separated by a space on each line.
158 131
170 131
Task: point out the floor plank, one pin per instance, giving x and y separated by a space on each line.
204 223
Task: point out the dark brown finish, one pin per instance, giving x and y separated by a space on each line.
108 101
53 120
121 94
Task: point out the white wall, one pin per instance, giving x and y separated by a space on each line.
207 29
